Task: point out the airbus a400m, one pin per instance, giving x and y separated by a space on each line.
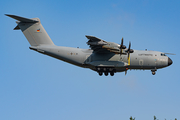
103 57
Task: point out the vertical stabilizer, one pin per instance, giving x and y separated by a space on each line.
33 30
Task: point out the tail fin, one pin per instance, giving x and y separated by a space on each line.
33 30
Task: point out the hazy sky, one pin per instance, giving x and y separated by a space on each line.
37 87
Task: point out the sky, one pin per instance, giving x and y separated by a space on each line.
36 86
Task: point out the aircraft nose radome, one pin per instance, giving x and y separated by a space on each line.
169 61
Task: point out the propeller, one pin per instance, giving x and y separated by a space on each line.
129 50
122 46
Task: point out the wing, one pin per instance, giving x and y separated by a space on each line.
101 46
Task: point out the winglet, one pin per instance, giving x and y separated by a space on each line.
22 19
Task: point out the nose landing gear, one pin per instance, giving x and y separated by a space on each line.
153 71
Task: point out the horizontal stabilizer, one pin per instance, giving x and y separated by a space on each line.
26 20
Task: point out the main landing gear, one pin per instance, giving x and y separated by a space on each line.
106 71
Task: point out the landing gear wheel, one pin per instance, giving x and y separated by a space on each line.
110 69
98 69
112 73
100 73
153 72
106 73
105 70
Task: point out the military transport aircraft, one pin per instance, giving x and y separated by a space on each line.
103 57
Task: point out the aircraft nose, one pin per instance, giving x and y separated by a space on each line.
169 61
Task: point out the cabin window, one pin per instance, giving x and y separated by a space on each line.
162 54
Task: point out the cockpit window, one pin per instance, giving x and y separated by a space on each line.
162 54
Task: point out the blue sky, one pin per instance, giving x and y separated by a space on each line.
35 86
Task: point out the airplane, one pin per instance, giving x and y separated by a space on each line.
103 57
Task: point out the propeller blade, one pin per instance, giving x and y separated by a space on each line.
170 53
126 71
121 47
121 42
128 51
129 46
128 55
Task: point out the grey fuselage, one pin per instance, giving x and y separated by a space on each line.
86 58
103 57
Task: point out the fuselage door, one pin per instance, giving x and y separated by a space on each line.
141 62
